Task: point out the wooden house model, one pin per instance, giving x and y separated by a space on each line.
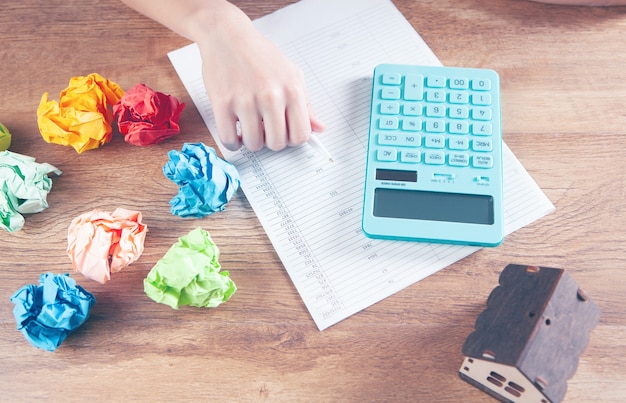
527 342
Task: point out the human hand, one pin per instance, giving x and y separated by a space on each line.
251 84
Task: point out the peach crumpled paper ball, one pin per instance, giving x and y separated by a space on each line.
100 243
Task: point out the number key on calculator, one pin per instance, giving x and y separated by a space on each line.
434 159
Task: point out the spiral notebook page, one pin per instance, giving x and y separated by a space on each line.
311 207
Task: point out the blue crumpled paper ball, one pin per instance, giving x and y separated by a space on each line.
206 182
48 313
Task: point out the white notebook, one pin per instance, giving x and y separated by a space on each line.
310 207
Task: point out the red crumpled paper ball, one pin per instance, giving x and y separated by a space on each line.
145 116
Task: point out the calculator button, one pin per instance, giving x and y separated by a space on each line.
436 81
482 161
482 129
412 124
412 109
386 154
411 157
413 87
481 179
391 78
482 145
437 111
443 176
459 97
434 141
481 113
459 83
390 93
459 128
458 143
459 159
435 126
436 96
389 108
400 139
459 112
434 158
388 123
481 99
481 84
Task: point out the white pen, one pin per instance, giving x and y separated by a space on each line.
315 142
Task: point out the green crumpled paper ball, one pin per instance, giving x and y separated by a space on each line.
189 274
5 138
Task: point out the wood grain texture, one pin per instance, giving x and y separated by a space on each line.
564 116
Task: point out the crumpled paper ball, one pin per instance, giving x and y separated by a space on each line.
5 138
48 313
24 188
146 117
206 182
82 118
189 274
100 243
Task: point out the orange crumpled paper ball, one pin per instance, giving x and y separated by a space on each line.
82 118
100 243
145 116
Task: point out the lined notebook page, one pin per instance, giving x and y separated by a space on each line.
310 207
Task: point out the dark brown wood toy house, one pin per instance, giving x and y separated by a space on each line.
526 343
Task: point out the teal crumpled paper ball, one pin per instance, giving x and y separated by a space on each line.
206 182
48 313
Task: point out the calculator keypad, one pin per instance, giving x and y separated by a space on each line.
435 119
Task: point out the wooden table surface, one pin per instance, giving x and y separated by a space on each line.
563 74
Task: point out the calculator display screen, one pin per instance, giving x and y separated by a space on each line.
433 206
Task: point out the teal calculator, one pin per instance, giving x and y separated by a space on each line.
434 157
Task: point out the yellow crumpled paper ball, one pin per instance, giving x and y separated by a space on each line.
82 117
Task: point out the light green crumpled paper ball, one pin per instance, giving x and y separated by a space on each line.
5 138
24 187
189 274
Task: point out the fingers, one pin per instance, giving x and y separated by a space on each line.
252 130
298 122
316 124
226 124
277 118
239 125
276 130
